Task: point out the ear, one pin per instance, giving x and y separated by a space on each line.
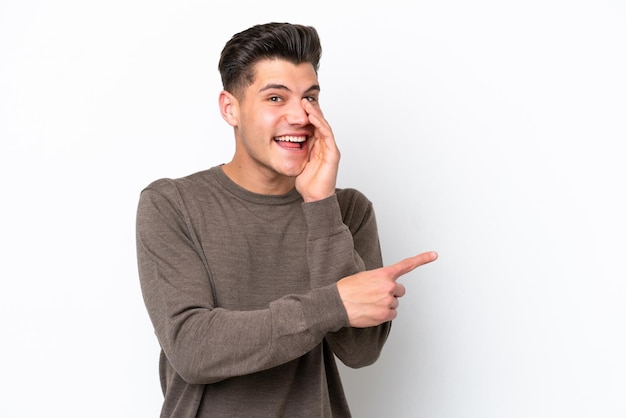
229 108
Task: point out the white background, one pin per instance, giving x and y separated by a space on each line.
489 131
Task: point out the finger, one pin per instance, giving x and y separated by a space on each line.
310 108
399 291
409 264
317 119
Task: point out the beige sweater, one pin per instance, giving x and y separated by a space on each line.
241 290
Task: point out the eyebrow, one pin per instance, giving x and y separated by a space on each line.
270 86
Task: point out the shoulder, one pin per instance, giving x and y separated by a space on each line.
355 206
350 197
175 186
176 195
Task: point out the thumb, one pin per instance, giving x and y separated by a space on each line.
409 264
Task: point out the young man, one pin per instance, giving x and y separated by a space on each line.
258 272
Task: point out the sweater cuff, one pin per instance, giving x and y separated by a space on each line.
323 218
317 313
324 311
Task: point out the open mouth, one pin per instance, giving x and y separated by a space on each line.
291 142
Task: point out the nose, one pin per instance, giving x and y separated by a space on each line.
296 115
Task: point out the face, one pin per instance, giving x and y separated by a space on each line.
272 128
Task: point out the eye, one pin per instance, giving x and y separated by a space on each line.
311 98
275 99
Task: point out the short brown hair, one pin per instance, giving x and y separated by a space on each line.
291 42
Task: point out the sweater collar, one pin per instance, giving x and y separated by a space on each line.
249 196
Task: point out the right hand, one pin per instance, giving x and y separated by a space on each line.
318 178
371 297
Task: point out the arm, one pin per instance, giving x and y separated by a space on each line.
345 250
352 248
205 343
351 256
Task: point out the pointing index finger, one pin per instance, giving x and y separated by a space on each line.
409 264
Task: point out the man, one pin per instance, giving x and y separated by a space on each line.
258 272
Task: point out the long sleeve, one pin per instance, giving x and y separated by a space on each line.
343 240
204 342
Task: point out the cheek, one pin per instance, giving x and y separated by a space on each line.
261 119
267 118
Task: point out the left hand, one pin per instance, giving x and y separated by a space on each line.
318 179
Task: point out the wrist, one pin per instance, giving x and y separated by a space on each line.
323 217
317 198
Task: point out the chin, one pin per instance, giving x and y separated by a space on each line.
292 171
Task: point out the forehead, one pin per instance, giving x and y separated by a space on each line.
278 71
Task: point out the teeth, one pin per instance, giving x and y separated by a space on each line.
291 138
